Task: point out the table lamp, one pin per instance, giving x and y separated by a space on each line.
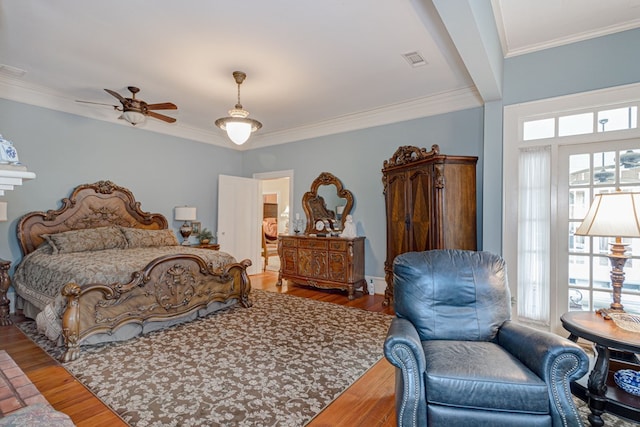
613 215
186 214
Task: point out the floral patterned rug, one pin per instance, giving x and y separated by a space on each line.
278 363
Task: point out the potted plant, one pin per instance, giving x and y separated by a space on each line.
205 236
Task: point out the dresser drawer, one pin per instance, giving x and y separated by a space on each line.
313 243
337 245
288 243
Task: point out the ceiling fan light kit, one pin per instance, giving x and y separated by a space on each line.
237 125
133 117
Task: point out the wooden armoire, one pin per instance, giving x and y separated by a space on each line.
430 201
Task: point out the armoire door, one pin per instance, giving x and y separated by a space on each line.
422 234
398 218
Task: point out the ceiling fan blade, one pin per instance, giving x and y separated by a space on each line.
117 95
161 117
162 106
98 103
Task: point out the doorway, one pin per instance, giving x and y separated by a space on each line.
277 194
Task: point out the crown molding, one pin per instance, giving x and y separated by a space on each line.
574 38
17 90
445 102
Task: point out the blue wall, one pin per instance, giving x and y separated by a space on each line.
598 63
65 150
356 158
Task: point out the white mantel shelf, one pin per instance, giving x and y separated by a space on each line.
11 176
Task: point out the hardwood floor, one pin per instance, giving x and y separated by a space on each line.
59 387
368 402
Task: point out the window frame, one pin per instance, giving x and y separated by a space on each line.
514 118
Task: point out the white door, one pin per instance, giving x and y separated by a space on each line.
239 219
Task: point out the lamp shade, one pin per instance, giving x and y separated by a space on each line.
612 215
3 211
185 213
133 117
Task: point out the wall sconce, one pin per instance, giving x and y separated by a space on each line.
185 213
613 215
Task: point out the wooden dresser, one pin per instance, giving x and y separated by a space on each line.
323 262
430 201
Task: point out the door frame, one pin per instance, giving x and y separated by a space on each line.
276 175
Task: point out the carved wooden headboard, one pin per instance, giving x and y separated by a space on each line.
89 206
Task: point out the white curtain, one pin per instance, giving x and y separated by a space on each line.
534 230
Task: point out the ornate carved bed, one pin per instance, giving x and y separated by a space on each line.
171 284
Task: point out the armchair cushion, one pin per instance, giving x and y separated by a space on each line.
478 375
437 291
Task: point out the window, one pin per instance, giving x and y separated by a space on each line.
582 123
534 221
590 173
593 145
539 129
577 124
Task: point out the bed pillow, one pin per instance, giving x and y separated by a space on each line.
89 239
141 238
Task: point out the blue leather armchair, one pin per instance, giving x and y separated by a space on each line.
461 361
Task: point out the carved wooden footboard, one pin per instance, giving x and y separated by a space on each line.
169 287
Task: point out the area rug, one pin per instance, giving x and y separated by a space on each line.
278 363
608 419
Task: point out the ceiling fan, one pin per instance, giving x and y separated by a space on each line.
136 110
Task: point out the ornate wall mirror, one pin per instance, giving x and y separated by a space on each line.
326 205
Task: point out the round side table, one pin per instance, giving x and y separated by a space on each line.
600 390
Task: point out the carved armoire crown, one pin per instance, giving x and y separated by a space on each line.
430 202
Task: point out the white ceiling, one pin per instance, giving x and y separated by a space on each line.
313 67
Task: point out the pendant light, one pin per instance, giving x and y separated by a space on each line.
237 125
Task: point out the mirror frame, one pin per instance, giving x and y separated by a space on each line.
325 178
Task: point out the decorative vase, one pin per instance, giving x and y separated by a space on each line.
205 241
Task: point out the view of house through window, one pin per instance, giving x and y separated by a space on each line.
589 284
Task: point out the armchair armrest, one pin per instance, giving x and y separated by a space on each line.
556 360
403 349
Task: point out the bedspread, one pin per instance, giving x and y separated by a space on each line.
41 275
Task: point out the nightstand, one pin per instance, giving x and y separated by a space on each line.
211 246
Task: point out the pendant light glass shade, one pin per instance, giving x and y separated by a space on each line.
237 125
238 132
